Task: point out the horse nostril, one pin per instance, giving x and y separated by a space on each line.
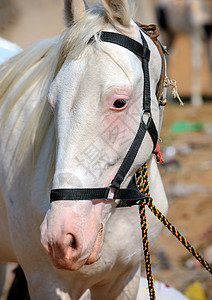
72 241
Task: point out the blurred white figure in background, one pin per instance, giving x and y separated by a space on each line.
194 18
162 291
190 17
7 49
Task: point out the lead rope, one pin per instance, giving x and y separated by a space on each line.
143 185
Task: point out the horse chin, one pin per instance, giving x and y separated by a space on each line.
97 250
67 265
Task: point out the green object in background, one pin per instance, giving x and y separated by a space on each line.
182 126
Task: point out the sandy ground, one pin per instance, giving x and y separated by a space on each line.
186 174
187 177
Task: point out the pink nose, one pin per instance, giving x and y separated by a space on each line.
67 253
72 234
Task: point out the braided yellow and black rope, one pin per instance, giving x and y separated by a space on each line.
143 185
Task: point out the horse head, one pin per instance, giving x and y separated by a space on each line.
97 101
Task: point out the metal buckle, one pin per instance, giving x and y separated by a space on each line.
110 193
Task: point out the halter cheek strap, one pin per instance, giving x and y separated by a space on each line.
131 195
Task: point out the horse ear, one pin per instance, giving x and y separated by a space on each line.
118 11
74 10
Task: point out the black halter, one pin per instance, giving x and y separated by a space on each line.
131 194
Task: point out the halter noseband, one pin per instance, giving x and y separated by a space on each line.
131 194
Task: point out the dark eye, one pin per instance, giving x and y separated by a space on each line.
120 103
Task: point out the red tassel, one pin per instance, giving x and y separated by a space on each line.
157 153
159 158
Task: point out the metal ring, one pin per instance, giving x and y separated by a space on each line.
145 111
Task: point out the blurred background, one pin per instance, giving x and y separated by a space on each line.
24 22
186 28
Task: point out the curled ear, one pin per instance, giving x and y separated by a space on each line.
118 11
74 10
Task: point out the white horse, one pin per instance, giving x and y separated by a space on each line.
86 245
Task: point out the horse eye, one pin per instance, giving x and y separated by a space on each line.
119 103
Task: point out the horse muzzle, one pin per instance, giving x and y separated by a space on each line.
73 235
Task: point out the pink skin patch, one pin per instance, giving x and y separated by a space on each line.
115 98
118 93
